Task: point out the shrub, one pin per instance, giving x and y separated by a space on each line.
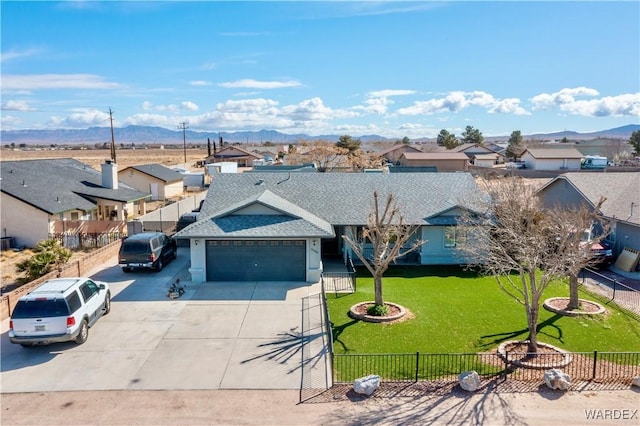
49 253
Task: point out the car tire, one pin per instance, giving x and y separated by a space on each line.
107 304
126 269
28 345
84 332
159 265
175 253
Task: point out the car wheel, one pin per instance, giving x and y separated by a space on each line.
27 345
126 269
84 333
175 253
159 265
107 304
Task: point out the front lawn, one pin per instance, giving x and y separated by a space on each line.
456 311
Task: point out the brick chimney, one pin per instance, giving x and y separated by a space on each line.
110 175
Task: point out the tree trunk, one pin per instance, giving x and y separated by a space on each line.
532 318
377 286
574 301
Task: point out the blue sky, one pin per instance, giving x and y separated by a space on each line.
390 68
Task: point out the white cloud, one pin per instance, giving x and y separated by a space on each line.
378 102
189 106
200 83
11 105
255 84
458 100
564 96
609 106
56 81
390 92
83 118
16 54
508 106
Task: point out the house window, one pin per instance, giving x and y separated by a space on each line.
454 237
74 216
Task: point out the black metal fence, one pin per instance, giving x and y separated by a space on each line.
613 368
624 296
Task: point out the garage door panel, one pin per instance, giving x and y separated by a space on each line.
256 260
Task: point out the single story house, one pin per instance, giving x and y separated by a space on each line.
621 206
393 154
552 158
235 153
442 161
39 196
159 181
487 160
278 226
472 149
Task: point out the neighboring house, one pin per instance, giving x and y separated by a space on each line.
552 158
472 149
621 206
159 181
39 196
442 161
235 153
393 154
487 160
277 226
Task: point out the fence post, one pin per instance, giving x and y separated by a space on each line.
595 362
417 365
506 364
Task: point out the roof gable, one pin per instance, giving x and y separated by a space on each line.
157 171
620 190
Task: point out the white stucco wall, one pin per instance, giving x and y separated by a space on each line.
25 223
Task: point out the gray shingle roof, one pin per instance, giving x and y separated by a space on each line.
289 221
158 171
619 189
59 185
347 198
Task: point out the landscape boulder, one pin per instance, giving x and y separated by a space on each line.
557 379
469 380
636 381
366 385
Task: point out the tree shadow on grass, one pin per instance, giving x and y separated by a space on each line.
497 338
338 330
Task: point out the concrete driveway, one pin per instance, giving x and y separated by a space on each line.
216 336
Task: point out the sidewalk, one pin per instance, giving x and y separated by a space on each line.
280 407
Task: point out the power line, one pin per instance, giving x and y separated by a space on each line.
113 139
183 126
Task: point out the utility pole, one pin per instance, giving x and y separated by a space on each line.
113 139
183 126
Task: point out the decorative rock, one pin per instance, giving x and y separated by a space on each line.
366 385
469 381
557 379
636 381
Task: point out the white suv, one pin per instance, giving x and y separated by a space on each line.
60 310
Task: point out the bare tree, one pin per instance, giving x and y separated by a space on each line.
526 246
388 234
323 153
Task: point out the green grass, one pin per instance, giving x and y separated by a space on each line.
456 311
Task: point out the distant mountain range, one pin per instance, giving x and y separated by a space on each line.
159 135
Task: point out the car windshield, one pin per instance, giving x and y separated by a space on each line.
40 309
